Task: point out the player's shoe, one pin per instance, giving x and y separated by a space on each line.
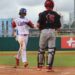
49 69
17 63
39 68
26 64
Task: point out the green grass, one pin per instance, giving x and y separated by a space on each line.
7 60
64 60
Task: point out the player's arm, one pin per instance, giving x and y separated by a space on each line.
14 28
30 24
38 25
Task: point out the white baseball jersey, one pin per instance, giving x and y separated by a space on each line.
21 26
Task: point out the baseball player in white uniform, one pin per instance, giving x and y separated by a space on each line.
22 25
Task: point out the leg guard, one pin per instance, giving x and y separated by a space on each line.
50 59
41 58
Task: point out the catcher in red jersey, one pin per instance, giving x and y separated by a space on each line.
22 25
48 23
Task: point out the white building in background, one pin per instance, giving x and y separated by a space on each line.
5 27
74 10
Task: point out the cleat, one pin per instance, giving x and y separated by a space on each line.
26 64
39 68
17 63
49 69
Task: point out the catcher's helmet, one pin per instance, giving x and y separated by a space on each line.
22 11
49 3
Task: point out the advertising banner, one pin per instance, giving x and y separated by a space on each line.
68 42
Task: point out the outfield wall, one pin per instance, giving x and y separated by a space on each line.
10 44
7 42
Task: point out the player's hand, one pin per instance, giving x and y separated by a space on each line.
58 30
38 25
35 27
14 34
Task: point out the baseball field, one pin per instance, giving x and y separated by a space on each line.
64 64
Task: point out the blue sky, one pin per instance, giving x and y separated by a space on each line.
10 8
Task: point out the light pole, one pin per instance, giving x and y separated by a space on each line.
74 10
73 22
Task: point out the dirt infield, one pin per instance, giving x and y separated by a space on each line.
9 70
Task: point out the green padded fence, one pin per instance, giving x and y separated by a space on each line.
58 43
9 44
33 43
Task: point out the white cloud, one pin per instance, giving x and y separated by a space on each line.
10 8
65 15
66 5
30 2
34 12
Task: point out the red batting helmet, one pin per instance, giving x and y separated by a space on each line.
49 3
